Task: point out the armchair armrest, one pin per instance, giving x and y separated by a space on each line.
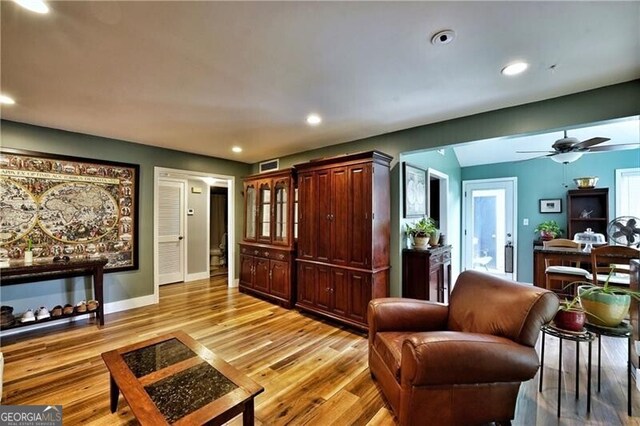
452 357
400 314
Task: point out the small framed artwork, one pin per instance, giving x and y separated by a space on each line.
553 205
415 191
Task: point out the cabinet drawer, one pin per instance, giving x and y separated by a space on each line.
266 253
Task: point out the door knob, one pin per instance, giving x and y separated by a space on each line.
180 237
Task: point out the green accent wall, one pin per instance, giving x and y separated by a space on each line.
543 178
118 285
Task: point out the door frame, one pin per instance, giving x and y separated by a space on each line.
159 172
465 185
443 182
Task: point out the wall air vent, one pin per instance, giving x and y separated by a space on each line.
270 165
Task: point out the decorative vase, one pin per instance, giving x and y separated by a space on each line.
434 238
570 320
421 242
28 257
604 309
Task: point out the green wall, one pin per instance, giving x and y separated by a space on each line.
542 178
118 285
606 103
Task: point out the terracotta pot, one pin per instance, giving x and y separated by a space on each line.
570 320
605 309
546 236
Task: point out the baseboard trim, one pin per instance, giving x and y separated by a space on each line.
124 305
235 282
197 276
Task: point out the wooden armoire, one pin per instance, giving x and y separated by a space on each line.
267 248
343 235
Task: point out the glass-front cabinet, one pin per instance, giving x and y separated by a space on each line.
267 250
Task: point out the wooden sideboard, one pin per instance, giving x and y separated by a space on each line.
426 274
21 273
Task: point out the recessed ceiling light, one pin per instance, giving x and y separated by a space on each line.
38 6
314 119
443 37
6 100
515 68
236 149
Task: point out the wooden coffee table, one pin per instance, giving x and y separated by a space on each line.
173 379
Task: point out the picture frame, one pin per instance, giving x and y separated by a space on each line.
65 206
414 190
551 205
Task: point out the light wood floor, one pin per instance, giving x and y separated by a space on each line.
313 372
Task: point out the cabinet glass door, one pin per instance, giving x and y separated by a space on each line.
281 206
264 216
250 213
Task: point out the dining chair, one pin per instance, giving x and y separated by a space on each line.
564 272
602 267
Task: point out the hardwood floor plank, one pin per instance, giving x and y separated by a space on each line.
313 372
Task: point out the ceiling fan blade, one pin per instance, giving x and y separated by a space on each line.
590 142
535 152
614 147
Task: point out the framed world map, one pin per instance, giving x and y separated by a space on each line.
68 206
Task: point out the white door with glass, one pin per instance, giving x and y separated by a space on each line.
170 216
489 219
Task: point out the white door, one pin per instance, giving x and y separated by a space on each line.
489 218
171 195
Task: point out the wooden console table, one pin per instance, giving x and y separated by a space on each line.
561 255
21 273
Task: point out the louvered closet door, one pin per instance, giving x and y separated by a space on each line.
170 231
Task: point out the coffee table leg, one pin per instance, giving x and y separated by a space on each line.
248 414
115 393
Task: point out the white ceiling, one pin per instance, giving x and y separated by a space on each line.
204 76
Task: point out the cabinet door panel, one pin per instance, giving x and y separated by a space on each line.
324 288
435 283
323 237
340 292
306 283
265 201
261 277
359 295
250 211
360 221
307 216
246 270
279 285
339 216
281 211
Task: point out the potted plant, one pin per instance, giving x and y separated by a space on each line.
571 315
605 305
549 229
421 231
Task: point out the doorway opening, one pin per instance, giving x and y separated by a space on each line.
218 231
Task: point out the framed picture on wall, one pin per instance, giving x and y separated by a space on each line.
553 205
414 190
69 206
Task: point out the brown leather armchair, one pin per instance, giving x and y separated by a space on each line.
462 363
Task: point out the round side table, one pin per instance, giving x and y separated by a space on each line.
578 337
624 331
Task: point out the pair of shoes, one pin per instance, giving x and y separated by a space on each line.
67 309
81 306
42 313
28 316
6 316
56 311
92 305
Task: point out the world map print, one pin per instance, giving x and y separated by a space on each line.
66 206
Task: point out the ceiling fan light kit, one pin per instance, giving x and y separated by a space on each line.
566 157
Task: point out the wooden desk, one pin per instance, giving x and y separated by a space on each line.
174 379
562 254
21 273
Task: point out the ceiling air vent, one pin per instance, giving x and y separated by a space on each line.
270 165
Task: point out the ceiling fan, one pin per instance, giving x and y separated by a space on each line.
568 150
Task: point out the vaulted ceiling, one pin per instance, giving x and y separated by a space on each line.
202 76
